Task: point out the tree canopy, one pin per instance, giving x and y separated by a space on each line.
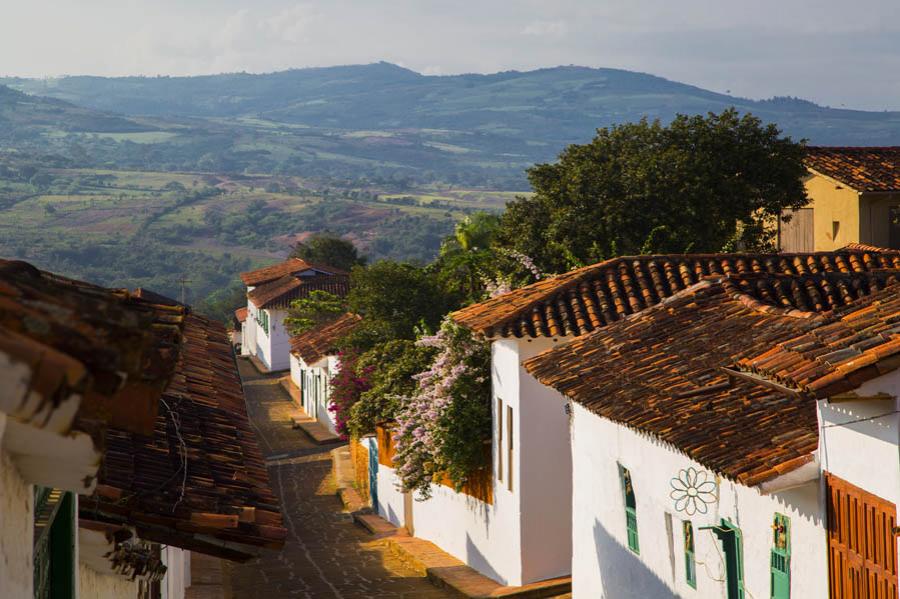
700 184
326 248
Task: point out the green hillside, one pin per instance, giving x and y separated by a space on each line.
383 122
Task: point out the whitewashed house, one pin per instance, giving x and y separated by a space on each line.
314 362
521 531
91 382
270 291
237 332
739 439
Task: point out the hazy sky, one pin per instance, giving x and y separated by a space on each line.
836 52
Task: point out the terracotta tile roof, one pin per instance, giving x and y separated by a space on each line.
155 379
861 168
589 298
201 473
281 292
111 347
288 267
316 343
240 314
861 342
661 371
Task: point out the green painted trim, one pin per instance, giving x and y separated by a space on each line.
62 550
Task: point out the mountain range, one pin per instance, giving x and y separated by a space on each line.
378 120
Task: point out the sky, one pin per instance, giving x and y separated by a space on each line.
837 53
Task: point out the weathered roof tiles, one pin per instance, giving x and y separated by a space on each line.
318 342
663 371
872 169
589 298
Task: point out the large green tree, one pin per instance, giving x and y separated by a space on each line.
700 184
395 300
329 249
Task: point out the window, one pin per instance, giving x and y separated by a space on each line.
690 562
781 557
500 439
630 509
509 448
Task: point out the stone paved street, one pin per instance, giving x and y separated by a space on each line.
326 554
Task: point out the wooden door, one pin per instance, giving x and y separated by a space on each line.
796 235
408 513
862 548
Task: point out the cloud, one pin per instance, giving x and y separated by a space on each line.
546 29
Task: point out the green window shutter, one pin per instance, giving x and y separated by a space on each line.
630 509
54 544
690 562
781 557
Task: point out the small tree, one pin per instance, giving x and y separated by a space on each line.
309 312
332 250
699 184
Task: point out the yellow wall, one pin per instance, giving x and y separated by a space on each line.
874 217
832 202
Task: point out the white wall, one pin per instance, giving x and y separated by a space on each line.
178 572
525 535
16 528
279 341
865 453
859 441
316 403
603 566
94 585
545 474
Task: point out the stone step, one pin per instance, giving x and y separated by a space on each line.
445 571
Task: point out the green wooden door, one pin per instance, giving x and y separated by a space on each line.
781 557
733 550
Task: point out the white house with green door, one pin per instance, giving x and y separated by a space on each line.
729 445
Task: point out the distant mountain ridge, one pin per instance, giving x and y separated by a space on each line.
384 117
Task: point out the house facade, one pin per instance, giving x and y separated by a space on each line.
720 441
314 362
854 197
99 385
523 531
270 291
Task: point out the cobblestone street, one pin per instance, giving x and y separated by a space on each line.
326 555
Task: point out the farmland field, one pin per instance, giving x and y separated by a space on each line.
153 229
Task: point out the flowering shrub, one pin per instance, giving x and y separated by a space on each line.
393 366
346 388
443 427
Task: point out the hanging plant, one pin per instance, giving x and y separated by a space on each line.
442 428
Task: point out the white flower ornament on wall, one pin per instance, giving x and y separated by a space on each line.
692 491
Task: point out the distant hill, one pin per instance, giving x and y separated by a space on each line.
21 113
383 120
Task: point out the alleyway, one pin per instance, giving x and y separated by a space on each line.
326 554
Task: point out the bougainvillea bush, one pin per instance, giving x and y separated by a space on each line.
392 366
442 428
346 387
